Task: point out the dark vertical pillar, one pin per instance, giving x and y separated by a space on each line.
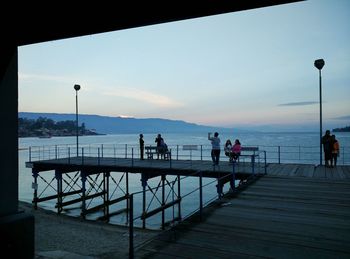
16 228
163 200
179 194
106 195
83 193
144 185
200 195
233 177
58 176
35 187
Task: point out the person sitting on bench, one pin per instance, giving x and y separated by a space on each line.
236 150
228 149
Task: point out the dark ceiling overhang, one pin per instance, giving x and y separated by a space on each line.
54 20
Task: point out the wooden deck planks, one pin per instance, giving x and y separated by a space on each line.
289 217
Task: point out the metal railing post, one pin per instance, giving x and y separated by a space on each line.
201 152
163 201
30 154
233 185
170 160
131 226
82 155
279 154
98 156
132 157
200 195
265 169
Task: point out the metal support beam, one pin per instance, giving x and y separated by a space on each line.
83 176
58 176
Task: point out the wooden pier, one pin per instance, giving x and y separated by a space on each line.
295 211
292 211
74 175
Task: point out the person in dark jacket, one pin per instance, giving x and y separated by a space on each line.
142 146
327 147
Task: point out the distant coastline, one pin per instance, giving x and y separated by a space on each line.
345 129
47 128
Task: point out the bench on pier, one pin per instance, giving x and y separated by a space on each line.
153 150
248 152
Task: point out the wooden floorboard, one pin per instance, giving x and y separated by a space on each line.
278 216
294 211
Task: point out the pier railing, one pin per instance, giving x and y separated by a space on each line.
171 198
274 154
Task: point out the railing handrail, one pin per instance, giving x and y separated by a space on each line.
279 154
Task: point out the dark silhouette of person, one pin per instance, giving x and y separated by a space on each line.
236 149
335 151
215 148
327 147
227 149
142 146
159 140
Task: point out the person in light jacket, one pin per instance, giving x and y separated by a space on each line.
215 148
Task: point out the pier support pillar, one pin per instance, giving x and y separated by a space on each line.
233 178
35 187
163 178
144 179
58 176
179 195
106 195
83 193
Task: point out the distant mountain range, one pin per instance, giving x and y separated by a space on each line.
119 125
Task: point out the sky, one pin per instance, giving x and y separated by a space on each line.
251 69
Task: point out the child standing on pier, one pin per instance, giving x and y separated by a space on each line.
335 151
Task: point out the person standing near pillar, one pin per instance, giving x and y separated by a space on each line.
142 146
335 151
327 148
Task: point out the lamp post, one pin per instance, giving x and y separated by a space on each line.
77 88
319 63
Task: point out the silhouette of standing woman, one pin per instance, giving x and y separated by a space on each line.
142 146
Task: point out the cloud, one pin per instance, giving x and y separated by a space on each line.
145 96
298 103
347 117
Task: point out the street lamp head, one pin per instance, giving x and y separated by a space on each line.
319 63
77 87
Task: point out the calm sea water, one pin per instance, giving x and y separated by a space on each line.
286 147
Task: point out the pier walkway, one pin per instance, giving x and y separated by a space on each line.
295 211
289 211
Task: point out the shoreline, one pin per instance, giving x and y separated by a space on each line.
59 235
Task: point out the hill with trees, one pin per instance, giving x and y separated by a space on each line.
345 129
45 127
